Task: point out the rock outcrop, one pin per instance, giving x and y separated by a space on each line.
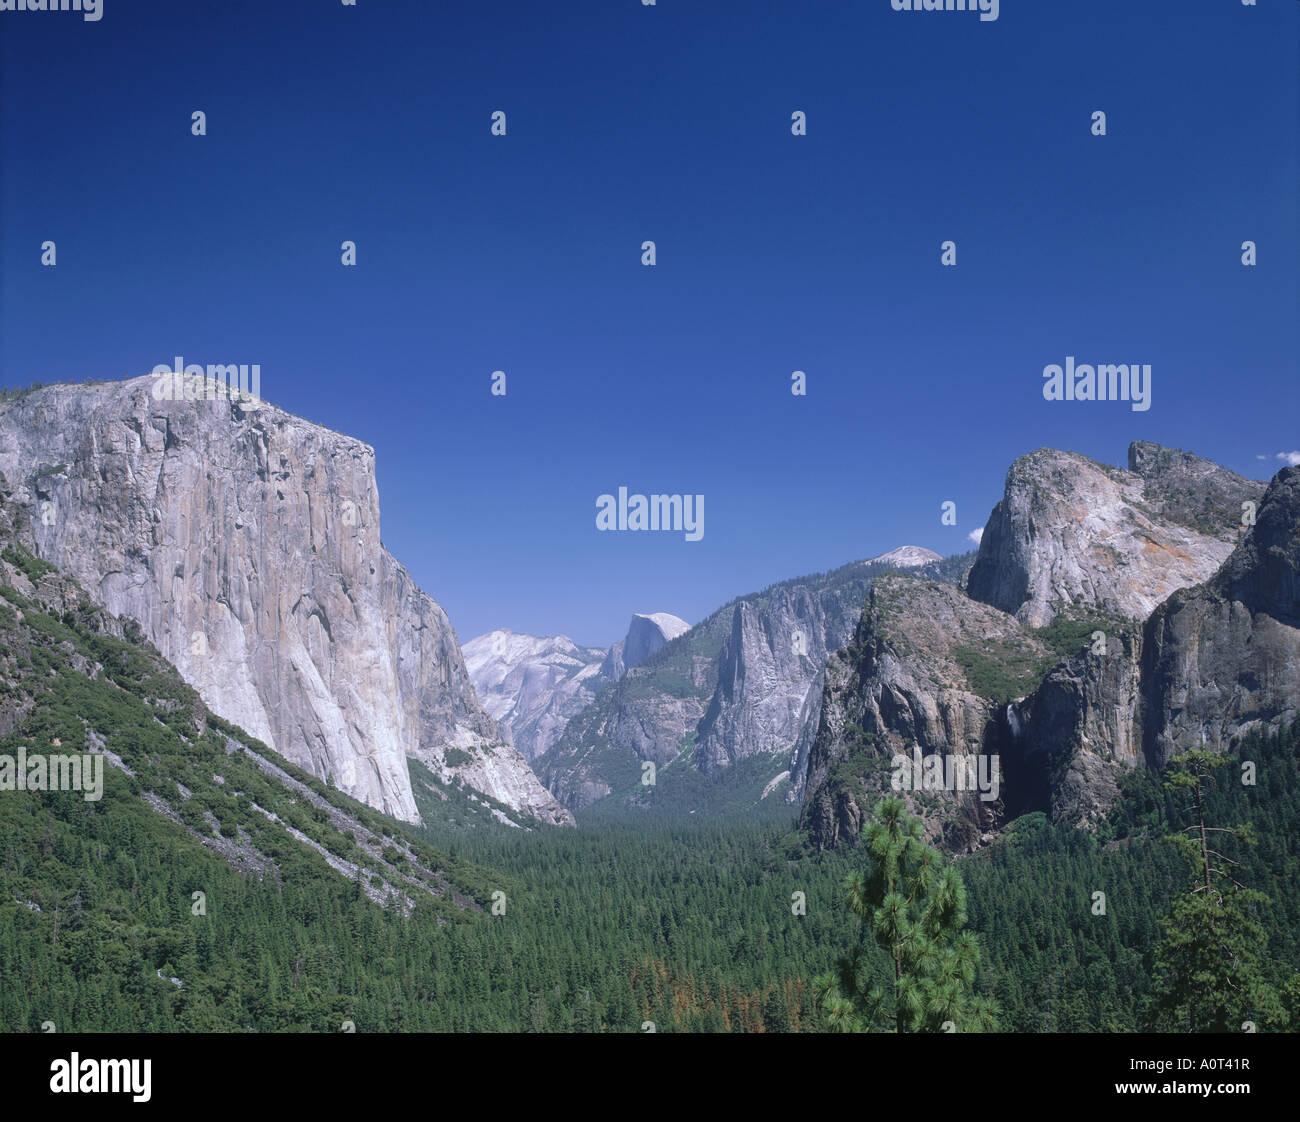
1208 664
769 663
646 634
533 686
246 543
1073 534
907 557
922 675
1078 731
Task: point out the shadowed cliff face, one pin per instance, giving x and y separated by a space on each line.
1209 662
1226 654
1076 733
246 543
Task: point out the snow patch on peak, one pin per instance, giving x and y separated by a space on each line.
907 557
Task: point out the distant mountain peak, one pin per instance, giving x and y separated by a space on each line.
531 685
647 633
907 557
669 625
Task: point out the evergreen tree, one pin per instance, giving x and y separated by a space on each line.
914 906
1210 974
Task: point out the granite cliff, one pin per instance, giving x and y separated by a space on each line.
245 541
1071 533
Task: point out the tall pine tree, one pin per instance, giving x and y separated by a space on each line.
913 905
1210 976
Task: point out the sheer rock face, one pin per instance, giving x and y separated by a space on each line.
246 543
770 664
1226 655
1078 731
1208 663
901 687
1070 532
531 686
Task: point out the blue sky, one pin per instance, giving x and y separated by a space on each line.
776 253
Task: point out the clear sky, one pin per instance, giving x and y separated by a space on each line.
775 253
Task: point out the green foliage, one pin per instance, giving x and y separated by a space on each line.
1000 671
684 922
1057 967
1211 975
452 803
96 895
457 757
17 393
1068 634
1004 671
33 567
681 790
913 904
1210 964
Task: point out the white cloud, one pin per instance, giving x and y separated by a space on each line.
975 536
1292 458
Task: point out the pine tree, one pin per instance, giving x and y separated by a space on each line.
914 906
1210 974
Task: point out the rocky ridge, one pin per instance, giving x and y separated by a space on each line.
532 686
646 634
1143 618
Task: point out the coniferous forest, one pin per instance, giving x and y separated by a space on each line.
202 893
690 926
